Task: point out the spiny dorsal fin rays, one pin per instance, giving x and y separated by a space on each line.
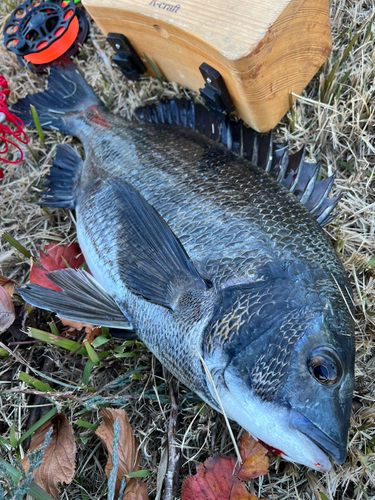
320 193
306 192
292 171
323 215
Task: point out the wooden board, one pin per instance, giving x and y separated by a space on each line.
262 48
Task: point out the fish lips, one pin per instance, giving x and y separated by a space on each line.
335 450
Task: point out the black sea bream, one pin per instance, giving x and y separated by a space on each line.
208 257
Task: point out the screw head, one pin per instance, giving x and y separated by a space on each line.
208 80
117 46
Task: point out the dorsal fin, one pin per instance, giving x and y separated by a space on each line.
292 171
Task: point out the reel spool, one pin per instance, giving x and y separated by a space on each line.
41 33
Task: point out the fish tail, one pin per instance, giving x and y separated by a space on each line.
68 94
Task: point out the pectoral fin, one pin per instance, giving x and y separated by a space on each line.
82 299
153 264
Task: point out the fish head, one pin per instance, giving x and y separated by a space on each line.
284 369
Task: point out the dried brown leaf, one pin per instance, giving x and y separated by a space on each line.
129 457
138 492
76 326
7 314
59 458
7 284
253 454
239 492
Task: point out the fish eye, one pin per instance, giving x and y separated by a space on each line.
325 366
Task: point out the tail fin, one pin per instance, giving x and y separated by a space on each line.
68 93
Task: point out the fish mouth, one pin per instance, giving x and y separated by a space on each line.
335 450
271 424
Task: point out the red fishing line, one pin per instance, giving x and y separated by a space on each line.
15 129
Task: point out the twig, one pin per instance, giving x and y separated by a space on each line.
171 477
41 393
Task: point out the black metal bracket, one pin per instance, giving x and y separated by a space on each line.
215 93
126 57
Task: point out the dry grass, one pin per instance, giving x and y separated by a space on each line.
337 125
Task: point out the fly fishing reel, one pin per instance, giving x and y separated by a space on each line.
40 33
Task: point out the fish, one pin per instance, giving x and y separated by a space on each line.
205 239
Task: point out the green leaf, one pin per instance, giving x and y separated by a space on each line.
70 345
35 491
323 496
154 69
7 237
3 353
89 366
85 439
34 382
83 494
37 123
5 444
102 339
87 371
53 329
37 424
371 262
346 165
139 473
127 355
105 331
91 352
127 343
87 425
12 436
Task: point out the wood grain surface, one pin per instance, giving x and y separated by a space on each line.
263 49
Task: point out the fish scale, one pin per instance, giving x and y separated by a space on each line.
210 259
255 212
179 355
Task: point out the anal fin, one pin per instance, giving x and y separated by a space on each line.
62 179
82 299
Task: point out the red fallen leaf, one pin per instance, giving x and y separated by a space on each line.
38 276
54 258
219 478
215 480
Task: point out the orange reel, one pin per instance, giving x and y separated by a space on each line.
42 32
